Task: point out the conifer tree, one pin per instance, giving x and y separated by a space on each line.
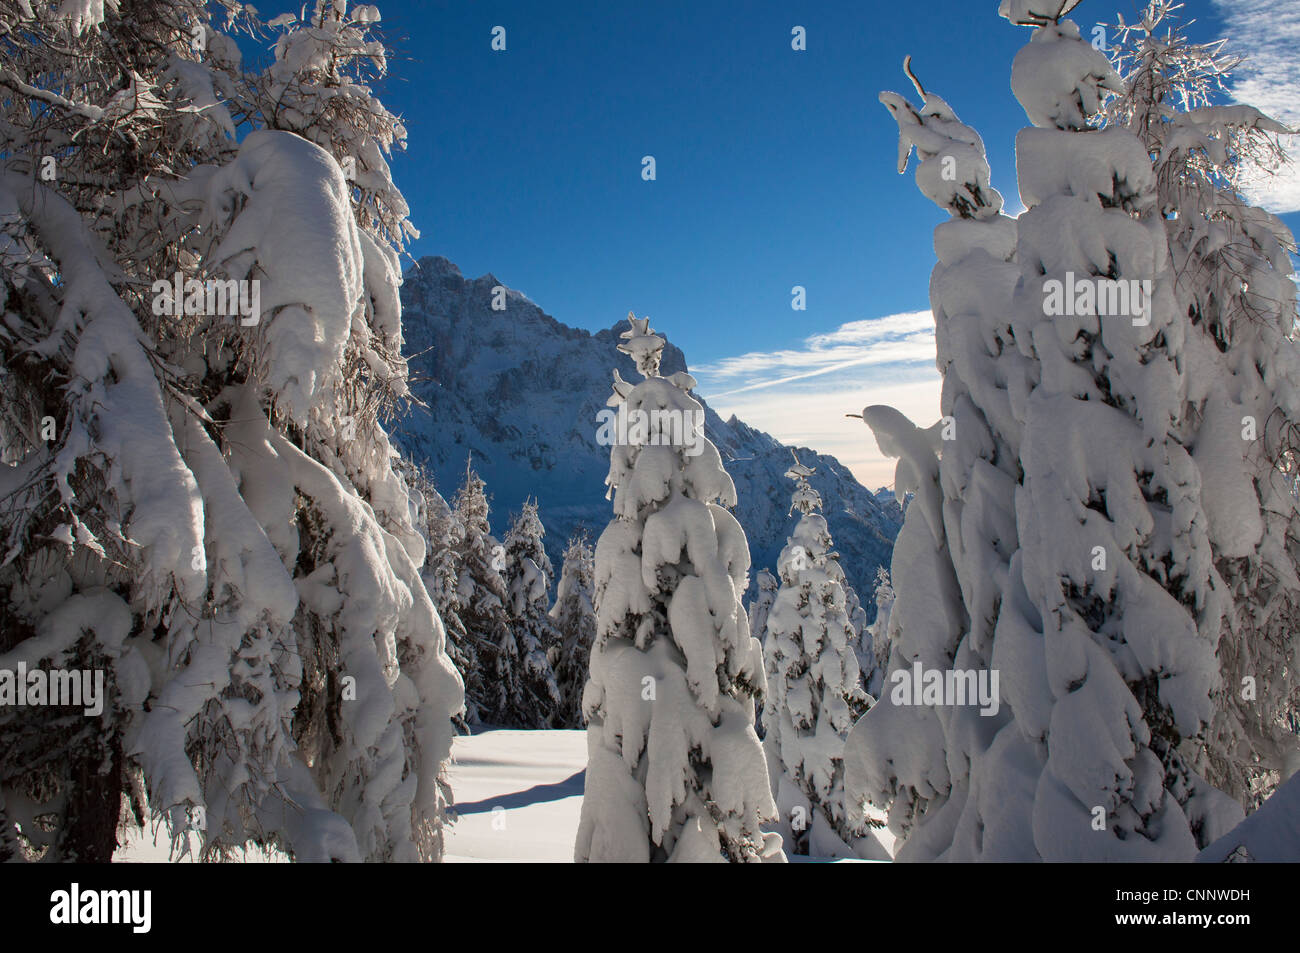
531 690
876 636
861 636
441 574
1059 534
813 685
676 771
201 497
483 600
574 616
766 585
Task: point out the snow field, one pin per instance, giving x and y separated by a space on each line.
517 796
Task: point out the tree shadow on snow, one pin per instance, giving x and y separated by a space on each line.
571 786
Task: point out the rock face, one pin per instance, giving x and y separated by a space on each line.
519 391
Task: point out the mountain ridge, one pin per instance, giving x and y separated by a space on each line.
518 391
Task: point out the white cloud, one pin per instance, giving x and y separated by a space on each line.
1268 33
894 339
771 390
878 329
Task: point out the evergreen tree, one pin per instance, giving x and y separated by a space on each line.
675 771
201 497
813 686
574 616
483 602
861 636
443 535
876 638
1060 538
531 690
766 585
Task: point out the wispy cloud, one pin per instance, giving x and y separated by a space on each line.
895 339
887 360
1268 33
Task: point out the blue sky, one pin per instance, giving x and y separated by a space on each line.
774 168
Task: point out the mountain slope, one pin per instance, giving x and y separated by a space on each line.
519 391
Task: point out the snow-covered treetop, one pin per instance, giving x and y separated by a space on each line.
1035 12
576 575
525 536
805 499
799 471
666 451
1058 77
470 503
529 568
642 345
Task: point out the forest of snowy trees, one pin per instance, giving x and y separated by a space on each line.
1084 649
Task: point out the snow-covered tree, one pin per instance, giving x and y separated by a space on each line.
813 686
873 648
766 585
1059 540
1233 270
676 771
531 691
480 564
855 611
200 496
861 631
912 759
574 617
441 574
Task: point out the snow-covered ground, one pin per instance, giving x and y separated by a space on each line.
518 796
